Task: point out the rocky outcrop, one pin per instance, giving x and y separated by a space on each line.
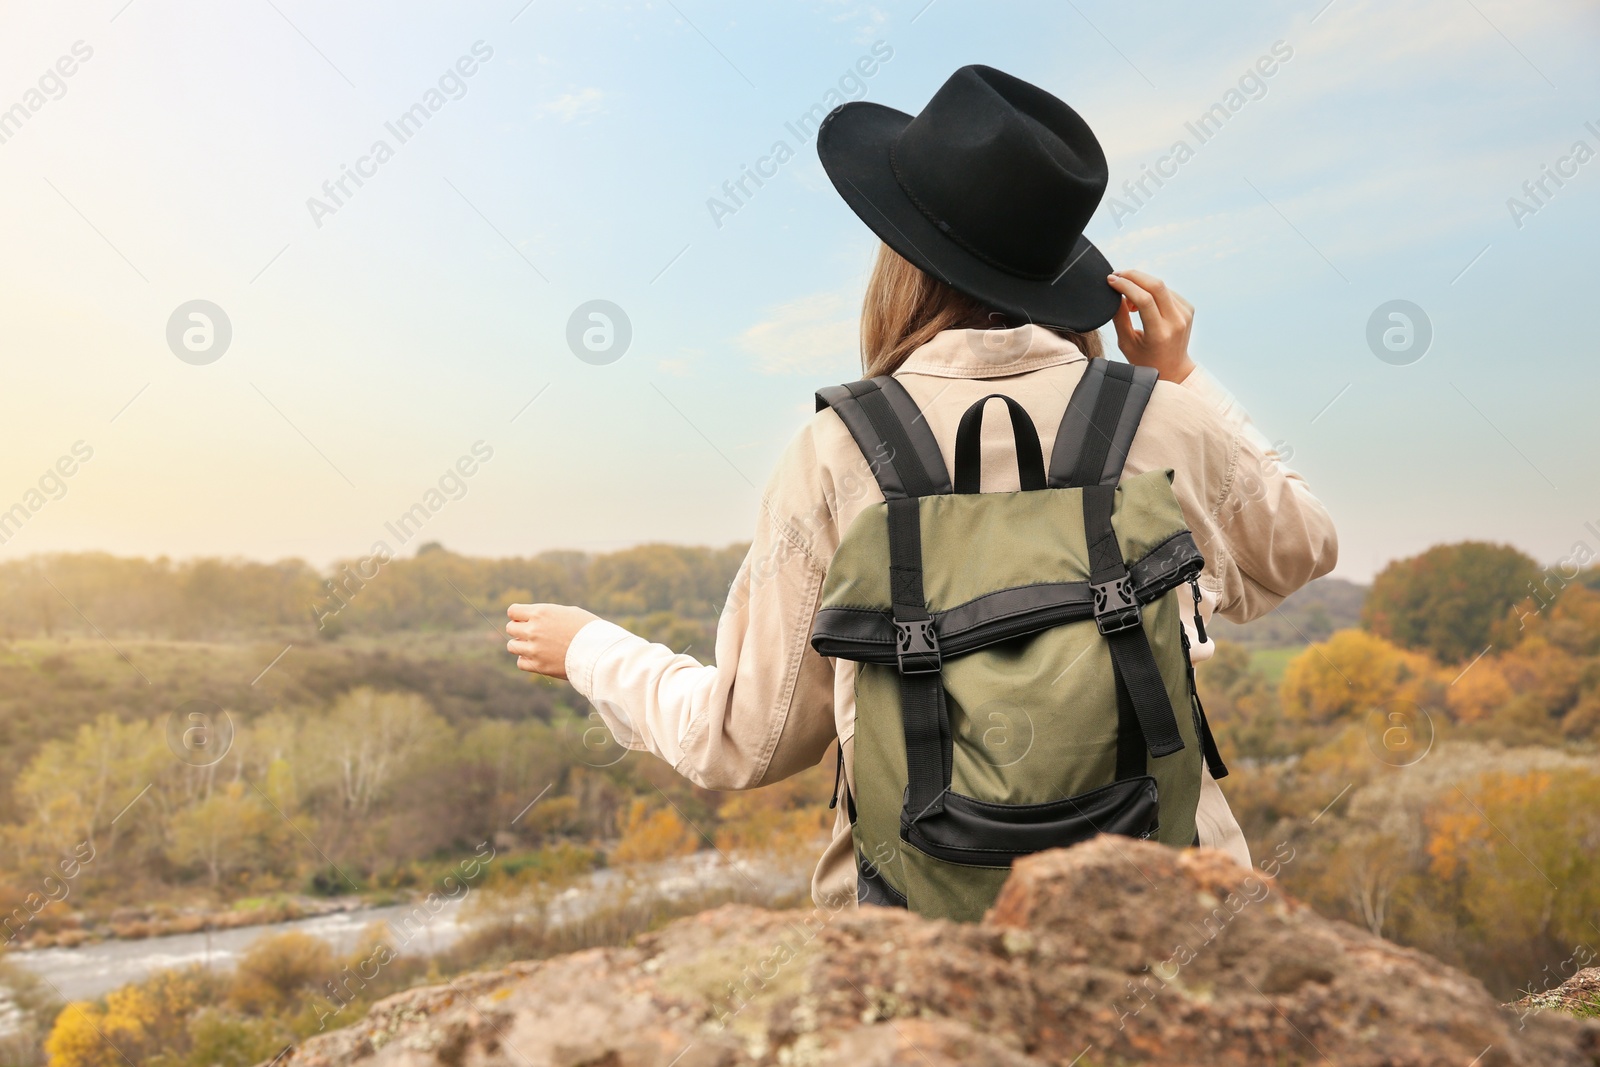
1114 952
1578 996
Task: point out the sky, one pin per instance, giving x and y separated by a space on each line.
422 333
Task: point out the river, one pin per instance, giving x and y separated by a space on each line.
86 971
94 968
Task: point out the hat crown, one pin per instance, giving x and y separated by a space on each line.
1003 168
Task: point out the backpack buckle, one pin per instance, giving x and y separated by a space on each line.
1115 607
917 647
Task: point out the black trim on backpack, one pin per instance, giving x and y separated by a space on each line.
922 439
873 888
980 834
1131 759
1208 743
867 635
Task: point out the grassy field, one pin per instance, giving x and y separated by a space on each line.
1273 661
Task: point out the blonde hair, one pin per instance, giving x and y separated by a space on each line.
905 307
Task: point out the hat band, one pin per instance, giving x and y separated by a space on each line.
950 232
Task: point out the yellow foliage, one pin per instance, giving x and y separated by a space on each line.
787 818
765 827
1571 623
78 1038
278 966
1345 757
1350 675
550 816
137 1022
1480 693
1455 833
73 786
649 836
1465 831
229 831
1544 671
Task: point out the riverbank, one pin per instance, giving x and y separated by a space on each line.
91 968
137 924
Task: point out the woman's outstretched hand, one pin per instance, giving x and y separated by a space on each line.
541 633
1165 318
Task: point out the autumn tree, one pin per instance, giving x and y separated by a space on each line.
233 830
789 818
1351 675
1452 601
507 767
76 788
134 1024
1241 704
367 740
277 968
651 834
1521 853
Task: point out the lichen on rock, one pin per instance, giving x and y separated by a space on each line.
1113 952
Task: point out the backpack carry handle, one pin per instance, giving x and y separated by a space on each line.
969 446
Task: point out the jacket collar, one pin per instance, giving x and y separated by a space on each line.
990 353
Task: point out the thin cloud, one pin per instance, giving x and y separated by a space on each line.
815 334
1362 46
569 106
675 368
1448 190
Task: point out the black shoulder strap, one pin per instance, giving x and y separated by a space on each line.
1091 447
1097 430
905 458
889 429
1119 617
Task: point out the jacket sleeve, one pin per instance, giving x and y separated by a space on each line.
1266 535
765 710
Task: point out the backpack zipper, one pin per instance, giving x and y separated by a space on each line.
1199 623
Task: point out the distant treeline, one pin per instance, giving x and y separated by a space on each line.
210 599
438 590
1312 614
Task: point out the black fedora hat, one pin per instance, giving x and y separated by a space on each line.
988 189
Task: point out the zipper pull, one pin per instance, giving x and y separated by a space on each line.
1199 624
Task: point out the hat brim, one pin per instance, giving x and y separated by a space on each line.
853 145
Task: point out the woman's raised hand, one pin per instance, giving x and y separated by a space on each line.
1165 318
540 634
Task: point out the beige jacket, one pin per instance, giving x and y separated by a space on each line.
771 706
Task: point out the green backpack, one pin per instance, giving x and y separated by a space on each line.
1019 654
